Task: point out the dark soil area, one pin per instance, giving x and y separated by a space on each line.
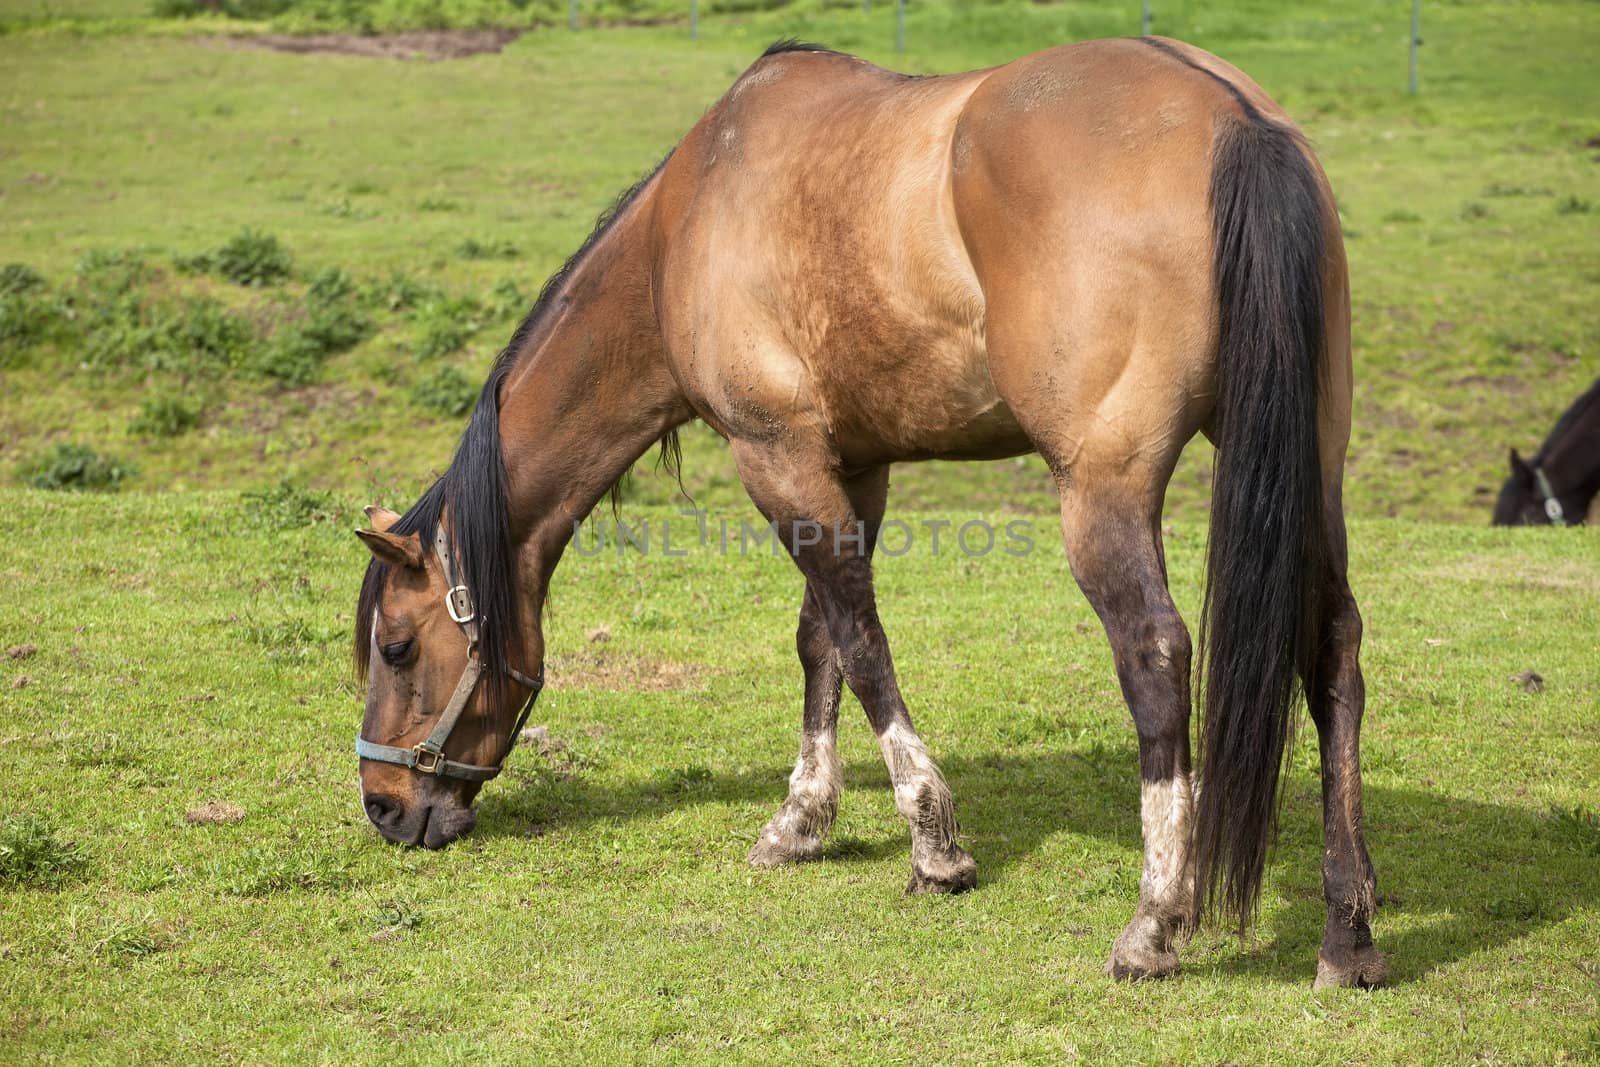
428 44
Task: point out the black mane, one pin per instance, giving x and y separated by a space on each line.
473 491
794 44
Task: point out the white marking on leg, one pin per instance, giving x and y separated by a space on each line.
920 792
813 790
1165 812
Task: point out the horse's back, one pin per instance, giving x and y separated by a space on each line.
898 262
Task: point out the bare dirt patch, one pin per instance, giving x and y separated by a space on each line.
214 813
429 44
604 669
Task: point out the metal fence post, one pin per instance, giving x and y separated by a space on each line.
900 25
1144 18
1416 40
572 15
694 20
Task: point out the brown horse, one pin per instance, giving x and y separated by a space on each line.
1093 253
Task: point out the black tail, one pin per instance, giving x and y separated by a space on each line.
1268 542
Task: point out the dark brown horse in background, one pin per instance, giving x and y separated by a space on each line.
1093 253
1556 486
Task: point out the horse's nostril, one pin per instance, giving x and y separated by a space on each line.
383 810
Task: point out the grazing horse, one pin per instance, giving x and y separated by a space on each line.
1568 459
1094 253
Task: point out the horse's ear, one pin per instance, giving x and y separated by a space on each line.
402 550
1520 469
380 517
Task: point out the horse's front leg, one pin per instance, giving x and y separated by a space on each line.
824 521
796 832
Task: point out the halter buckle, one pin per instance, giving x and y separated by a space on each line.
435 760
466 614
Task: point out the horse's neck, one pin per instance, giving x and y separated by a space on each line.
1570 457
590 390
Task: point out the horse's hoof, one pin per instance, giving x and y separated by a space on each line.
774 848
1360 968
951 872
1133 962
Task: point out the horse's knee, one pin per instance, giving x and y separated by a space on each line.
1153 663
812 641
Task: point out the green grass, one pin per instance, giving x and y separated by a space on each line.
193 648
1473 331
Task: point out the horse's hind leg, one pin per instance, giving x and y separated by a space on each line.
796 485
1113 538
1336 694
797 830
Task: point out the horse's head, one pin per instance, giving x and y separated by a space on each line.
1524 501
439 718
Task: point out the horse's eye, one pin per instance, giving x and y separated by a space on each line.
396 653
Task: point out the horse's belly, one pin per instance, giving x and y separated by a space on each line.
937 403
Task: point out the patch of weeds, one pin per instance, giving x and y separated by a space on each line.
1472 211
71 466
400 292
429 203
494 248
27 319
694 779
1573 205
248 258
1519 905
1113 879
1577 827
335 325
290 639
395 916
117 938
330 285
445 325
1402 215
263 870
33 854
102 750
198 334
1502 189
445 392
164 416
19 278
290 357
254 10
331 324
344 209
507 300
287 506
106 271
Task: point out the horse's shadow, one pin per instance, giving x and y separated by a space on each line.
1461 875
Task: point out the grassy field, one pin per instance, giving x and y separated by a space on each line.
1469 210
396 217
192 648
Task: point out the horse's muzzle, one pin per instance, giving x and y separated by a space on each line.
431 825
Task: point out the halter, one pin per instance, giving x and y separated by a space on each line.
428 756
1552 507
